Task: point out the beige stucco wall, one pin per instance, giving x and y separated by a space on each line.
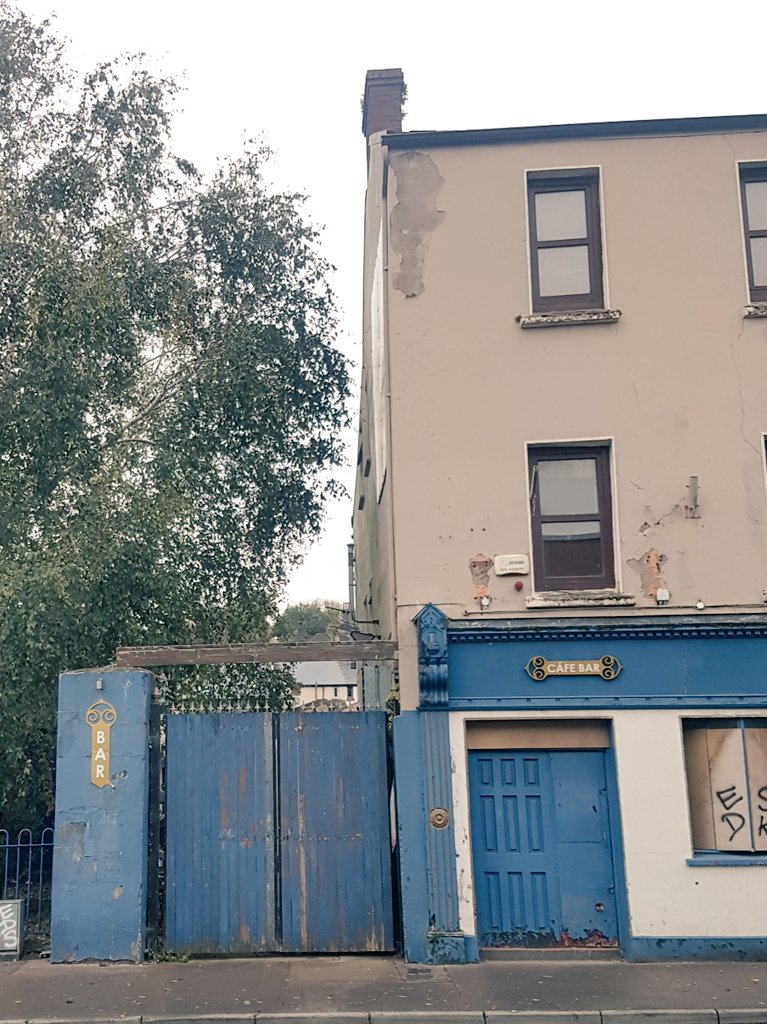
678 385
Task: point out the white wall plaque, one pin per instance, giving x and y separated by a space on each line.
512 565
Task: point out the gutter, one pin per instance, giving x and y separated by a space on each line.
717 125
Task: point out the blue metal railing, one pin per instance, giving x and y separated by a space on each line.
25 874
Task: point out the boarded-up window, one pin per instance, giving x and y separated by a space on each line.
726 762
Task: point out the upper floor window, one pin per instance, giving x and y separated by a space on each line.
565 241
753 186
571 518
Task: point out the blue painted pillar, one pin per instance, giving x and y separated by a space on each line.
102 793
430 921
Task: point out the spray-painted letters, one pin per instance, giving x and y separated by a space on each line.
9 926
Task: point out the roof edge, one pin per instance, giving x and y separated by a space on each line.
721 124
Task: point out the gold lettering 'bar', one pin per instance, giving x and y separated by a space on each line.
540 669
100 716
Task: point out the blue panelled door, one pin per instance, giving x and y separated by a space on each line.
543 870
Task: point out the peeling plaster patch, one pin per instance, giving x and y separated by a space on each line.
580 599
649 567
756 311
480 566
677 510
414 217
569 319
74 830
117 892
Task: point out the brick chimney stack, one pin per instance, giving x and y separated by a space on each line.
382 103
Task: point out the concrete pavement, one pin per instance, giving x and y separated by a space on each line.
385 990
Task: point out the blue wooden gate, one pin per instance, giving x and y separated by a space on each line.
277 833
543 870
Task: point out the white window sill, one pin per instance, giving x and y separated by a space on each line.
569 318
756 311
580 599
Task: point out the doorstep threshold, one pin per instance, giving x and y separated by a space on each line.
550 953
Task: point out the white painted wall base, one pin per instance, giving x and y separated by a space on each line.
666 896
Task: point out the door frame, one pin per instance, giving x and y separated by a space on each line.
462 807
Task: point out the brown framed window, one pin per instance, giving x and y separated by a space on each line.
571 517
565 242
753 192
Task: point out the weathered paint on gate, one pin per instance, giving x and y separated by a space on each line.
278 833
334 833
219 886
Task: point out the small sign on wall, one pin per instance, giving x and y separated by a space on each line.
511 565
11 928
100 716
540 668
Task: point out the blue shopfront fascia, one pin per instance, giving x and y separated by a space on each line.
677 662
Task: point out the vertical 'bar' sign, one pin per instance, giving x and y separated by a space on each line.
100 716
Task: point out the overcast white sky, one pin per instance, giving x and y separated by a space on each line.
295 72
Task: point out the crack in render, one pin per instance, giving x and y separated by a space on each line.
678 507
739 377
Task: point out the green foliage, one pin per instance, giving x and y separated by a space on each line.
301 621
222 688
170 398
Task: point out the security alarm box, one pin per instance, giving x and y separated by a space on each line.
512 565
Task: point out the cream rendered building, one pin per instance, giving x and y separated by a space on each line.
561 517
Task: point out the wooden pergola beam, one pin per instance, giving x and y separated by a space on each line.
256 654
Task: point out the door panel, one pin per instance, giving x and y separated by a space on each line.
335 854
543 871
513 839
586 879
219 885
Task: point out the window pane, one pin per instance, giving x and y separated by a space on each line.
756 754
560 215
564 271
571 550
729 791
568 487
756 202
759 261
699 787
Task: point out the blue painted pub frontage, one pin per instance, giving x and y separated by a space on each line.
595 782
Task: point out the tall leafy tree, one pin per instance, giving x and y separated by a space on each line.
170 397
299 622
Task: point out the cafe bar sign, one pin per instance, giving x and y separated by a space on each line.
540 669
